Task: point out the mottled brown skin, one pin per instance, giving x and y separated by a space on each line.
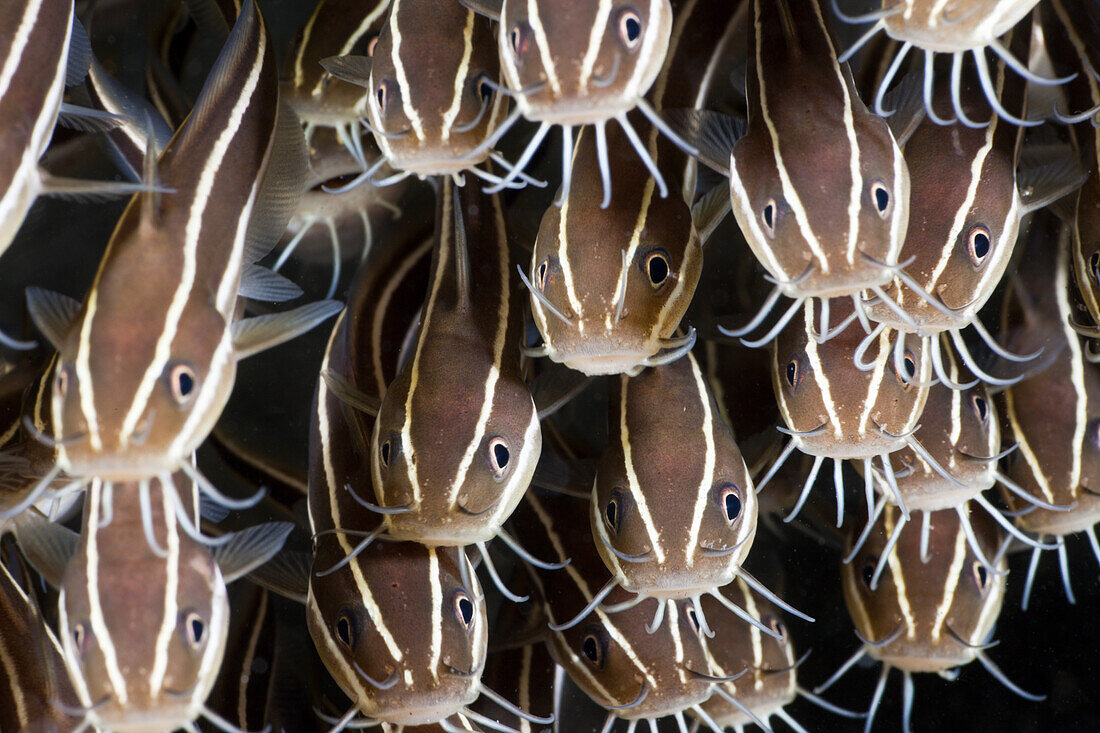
941 159
771 681
973 594
595 659
431 414
973 414
132 583
1038 306
568 26
807 96
318 97
798 386
419 119
31 665
681 455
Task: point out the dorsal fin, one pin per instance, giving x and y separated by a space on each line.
283 186
80 55
462 251
53 313
489 8
150 199
352 69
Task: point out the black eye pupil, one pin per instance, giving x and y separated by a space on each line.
658 270
882 198
733 506
611 512
868 572
386 453
501 454
197 629
185 383
792 373
632 28
1094 265
466 610
382 97
981 244
769 213
692 619
910 367
591 649
343 630
979 403
982 575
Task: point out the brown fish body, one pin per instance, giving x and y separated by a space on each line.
957 26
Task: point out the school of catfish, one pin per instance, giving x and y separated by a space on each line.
479 365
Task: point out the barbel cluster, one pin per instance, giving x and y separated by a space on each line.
558 456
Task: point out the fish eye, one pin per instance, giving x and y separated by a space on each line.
612 512
1094 267
908 369
80 639
657 267
464 610
345 629
194 628
693 618
868 572
499 457
594 649
773 623
630 28
978 244
519 37
181 381
541 272
768 217
61 381
729 501
383 94
981 576
881 195
794 374
981 407
484 88
385 451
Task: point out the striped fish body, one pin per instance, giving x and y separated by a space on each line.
961 431
942 610
143 386
430 93
573 62
31 666
143 634
956 26
34 47
24 460
836 409
334 28
402 614
610 656
771 682
1072 32
671 487
457 436
965 209
1058 459
817 182
622 276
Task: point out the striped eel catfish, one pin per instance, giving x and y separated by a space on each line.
959 28
36 693
457 436
573 63
673 510
128 419
961 434
968 200
43 48
431 99
936 610
771 683
1054 413
834 410
636 669
143 624
321 100
1072 30
610 285
806 124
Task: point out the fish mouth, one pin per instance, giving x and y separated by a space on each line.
153 720
435 164
579 111
429 713
613 362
